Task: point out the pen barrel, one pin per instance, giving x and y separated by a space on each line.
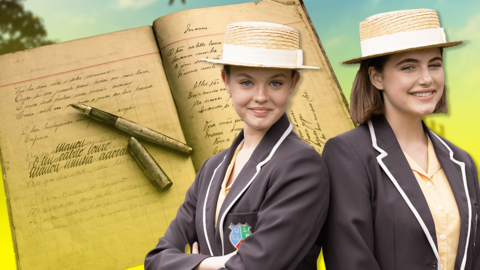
144 133
148 165
102 116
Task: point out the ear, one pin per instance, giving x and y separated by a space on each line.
375 78
226 81
295 80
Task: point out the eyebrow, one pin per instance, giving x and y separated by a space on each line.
407 60
436 58
278 75
244 75
413 60
272 77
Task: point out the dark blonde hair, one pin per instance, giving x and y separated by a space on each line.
226 68
366 100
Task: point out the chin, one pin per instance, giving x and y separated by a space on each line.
424 109
260 123
426 112
259 126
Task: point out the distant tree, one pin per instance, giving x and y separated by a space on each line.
20 29
171 2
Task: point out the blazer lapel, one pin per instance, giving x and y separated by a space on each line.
454 176
398 166
248 172
213 191
241 182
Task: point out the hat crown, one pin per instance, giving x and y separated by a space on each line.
261 44
400 31
262 35
397 22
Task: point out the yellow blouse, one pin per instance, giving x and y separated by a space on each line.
442 204
224 190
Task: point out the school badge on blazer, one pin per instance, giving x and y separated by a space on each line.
238 233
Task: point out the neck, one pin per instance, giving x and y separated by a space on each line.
252 138
408 129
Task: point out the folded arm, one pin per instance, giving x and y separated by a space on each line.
170 250
290 217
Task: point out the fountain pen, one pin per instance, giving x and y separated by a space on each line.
132 128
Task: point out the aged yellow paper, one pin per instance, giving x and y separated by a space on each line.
76 198
317 110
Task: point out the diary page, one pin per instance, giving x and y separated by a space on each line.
76 197
317 109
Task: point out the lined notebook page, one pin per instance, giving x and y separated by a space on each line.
317 108
76 197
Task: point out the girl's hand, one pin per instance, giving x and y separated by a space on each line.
195 249
211 263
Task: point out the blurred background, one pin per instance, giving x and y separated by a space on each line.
26 24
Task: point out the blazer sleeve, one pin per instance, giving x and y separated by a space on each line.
476 219
290 217
349 232
170 250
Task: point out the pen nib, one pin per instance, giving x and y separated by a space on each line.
79 107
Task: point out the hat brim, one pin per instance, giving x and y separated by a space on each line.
222 62
439 45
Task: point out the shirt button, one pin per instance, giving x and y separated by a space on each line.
222 197
429 184
439 207
442 237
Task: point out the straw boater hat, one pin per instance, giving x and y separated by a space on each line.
400 31
261 44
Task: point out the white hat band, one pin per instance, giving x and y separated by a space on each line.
261 56
402 41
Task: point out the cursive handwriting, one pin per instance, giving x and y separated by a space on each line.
192 29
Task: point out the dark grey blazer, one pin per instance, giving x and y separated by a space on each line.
370 224
281 192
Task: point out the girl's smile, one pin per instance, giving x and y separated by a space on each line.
412 82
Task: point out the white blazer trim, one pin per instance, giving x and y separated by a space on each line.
259 168
205 206
469 204
402 193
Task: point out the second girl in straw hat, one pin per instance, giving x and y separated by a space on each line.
402 197
261 203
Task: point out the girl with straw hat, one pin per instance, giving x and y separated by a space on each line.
261 203
402 197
